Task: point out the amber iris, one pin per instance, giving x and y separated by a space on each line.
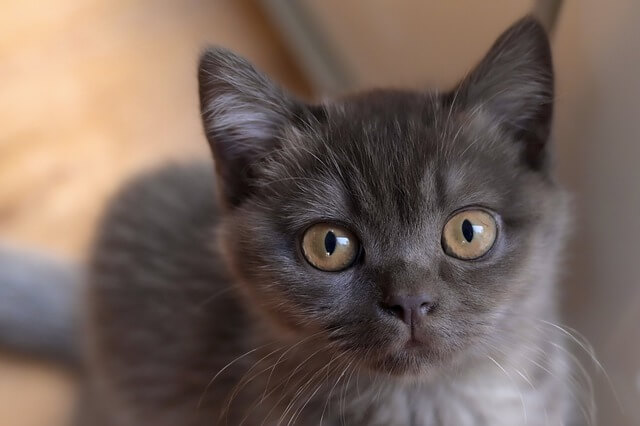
469 234
329 247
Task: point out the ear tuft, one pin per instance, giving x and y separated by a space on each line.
243 113
514 83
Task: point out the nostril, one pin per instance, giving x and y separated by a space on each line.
427 307
395 310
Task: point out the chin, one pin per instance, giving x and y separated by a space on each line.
407 364
413 361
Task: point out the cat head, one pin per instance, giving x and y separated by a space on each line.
408 228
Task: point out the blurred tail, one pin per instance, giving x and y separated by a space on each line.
37 306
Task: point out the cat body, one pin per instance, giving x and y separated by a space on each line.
206 306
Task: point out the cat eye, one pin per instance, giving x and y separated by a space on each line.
469 234
329 247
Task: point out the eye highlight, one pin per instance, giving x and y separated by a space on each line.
469 234
329 247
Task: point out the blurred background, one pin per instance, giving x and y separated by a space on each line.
94 91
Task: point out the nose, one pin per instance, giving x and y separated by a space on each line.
408 308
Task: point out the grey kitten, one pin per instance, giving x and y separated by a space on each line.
387 258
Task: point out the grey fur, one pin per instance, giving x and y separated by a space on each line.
204 313
38 305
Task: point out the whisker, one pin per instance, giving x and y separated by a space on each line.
584 344
297 413
285 382
331 392
587 408
281 357
223 369
243 382
524 408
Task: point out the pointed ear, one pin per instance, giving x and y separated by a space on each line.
243 113
514 84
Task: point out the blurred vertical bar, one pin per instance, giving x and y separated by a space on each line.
300 29
547 12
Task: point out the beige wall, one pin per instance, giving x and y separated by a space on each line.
412 43
597 49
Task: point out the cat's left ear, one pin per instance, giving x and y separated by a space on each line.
514 84
243 113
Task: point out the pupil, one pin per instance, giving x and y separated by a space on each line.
330 242
467 230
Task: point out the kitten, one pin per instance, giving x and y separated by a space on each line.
387 258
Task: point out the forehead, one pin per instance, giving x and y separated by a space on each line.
396 163
414 144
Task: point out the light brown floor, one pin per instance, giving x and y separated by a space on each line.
92 91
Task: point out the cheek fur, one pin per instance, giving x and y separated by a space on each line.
256 273
275 280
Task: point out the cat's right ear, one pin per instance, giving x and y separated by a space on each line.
243 113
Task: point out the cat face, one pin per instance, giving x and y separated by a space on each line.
405 228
